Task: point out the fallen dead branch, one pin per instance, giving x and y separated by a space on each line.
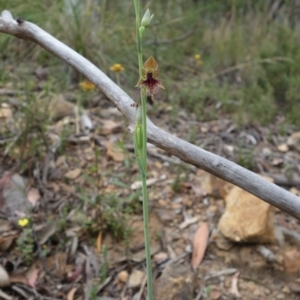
187 152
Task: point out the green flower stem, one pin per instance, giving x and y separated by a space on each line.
143 168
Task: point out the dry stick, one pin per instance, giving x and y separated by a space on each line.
187 152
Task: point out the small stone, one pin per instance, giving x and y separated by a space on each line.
294 141
59 107
286 290
176 205
123 276
162 202
266 152
160 257
213 208
283 148
291 260
136 279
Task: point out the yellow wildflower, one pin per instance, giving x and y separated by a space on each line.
23 222
116 68
87 85
198 59
197 56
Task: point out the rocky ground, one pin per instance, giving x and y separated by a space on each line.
71 219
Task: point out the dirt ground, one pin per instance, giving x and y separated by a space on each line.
71 214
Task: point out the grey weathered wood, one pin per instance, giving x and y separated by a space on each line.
187 152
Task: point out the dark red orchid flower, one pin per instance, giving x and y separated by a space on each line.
149 80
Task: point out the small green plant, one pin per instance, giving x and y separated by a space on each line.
93 293
176 185
192 134
104 265
25 245
245 158
30 127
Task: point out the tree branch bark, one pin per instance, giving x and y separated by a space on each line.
187 152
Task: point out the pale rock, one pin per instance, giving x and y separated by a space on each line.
160 257
5 111
136 279
123 276
283 148
247 218
286 290
294 141
59 107
291 260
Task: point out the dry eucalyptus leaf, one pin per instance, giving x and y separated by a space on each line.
199 244
99 242
109 127
73 174
32 276
71 293
234 285
33 196
114 152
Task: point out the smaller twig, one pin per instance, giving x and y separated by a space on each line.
188 222
220 273
21 292
139 296
105 283
5 296
290 233
283 180
174 260
266 253
199 295
10 92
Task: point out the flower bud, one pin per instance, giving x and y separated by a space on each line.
138 116
146 18
139 137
